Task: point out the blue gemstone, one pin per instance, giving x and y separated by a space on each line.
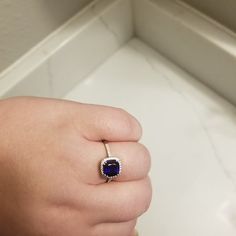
111 168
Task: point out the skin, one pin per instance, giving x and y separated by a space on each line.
50 184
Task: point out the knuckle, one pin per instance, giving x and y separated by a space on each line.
128 124
144 149
144 152
144 157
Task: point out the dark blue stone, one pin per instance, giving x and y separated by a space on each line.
111 168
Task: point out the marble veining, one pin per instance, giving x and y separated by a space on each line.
86 41
189 129
191 134
181 92
118 19
105 22
179 32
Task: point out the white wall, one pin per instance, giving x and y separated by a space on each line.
23 23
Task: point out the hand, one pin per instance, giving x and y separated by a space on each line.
50 183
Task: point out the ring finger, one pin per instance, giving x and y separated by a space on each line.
134 157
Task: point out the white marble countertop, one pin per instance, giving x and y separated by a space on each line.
191 134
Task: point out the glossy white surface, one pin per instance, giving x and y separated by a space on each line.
191 134
193 41
199 45
72 52
110 29
190 131
25 23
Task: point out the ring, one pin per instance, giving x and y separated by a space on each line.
111 165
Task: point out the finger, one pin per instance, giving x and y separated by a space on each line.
135 161
119 202
116 229
107 123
